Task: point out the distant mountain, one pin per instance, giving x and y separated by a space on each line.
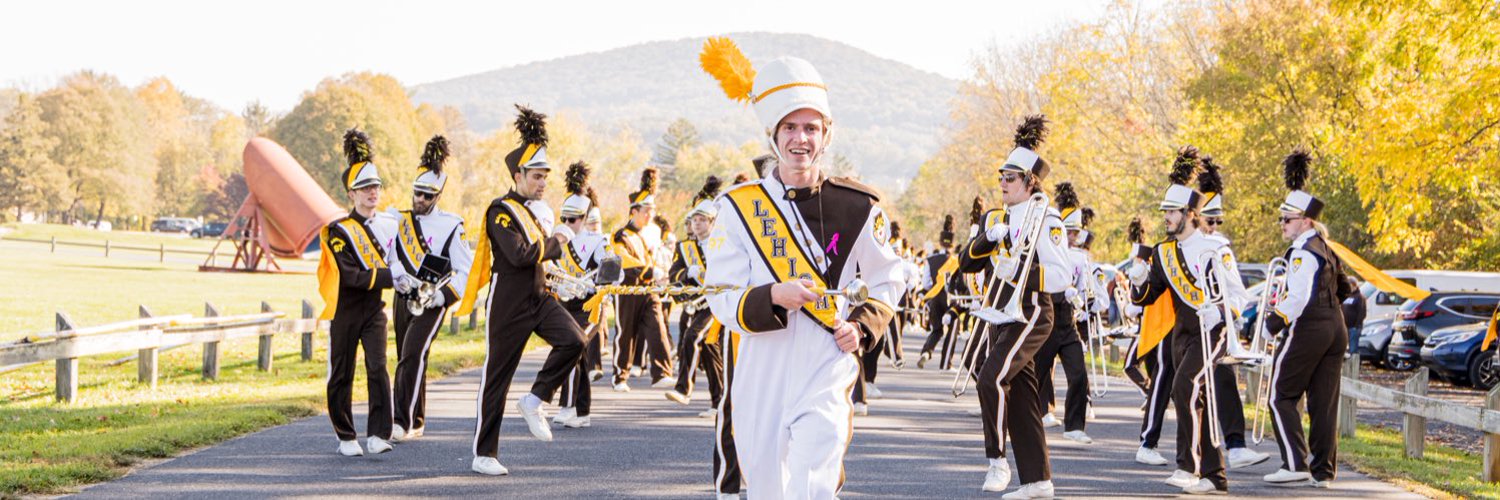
888 115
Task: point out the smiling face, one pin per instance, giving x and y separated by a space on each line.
800 138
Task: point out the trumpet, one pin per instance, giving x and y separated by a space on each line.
425 292
566 286
1261 343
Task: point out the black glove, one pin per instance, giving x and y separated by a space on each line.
1275 324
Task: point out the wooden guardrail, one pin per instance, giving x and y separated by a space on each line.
108 246
150 334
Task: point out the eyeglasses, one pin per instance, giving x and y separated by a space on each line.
1214 222
570 220
424 196
1009 177
1284 219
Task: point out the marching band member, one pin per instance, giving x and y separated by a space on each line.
940 267
352 273
642 325
693 349
1154 358
512 247
1226 380
428 241
1006 380
1311 354
784 240
1173 291
580 258
1066 342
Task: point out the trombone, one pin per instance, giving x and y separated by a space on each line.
1213 288
1261 343
1095 342
1031 225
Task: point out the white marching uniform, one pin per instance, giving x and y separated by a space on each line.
791 396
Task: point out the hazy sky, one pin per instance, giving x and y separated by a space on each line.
274 50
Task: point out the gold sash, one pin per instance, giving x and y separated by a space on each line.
781 252
1161 316
328 267
479 272
415 248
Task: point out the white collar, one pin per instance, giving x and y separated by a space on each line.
1302 238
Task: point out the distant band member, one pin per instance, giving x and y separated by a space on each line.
1310 355
688 267
782 241
580 258
352 273
642 324
428 241
512 247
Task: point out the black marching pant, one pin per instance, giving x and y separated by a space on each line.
1163 369
576 392
1309 361
414 338
1064 344
1007 389
505 342
350 329
642 328
1196 452
693 355
726 460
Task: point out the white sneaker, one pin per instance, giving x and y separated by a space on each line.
1284 476
677 397
622 387
578 422
1181 478
976 412
709 413
872 391
565 414
861 409
1050 420
377 445
488 466
952 369
998 476
665 382
1079 436
595 375
415 433
536 419
1203 487
729 496
1149 456
350 448
397 434
922 361
635 372
1039 489
1319 484
1240 458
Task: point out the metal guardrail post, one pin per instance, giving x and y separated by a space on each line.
307 336
67 368
1348 404
147 369
1413 427
453 325
263 356
210 349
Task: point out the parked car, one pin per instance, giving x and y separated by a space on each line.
1374 340
174 225
1453 354
210 230
1418 319
1379 304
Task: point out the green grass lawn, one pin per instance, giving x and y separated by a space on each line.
48 447
86 235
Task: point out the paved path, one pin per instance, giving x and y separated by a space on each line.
917 443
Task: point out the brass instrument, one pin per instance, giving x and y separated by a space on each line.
1032 224
1262 344
856 292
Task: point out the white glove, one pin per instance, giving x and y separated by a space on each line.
407 283
997 232
564 230
1209 317
1101 305
695 272
1072 295
1138 272
543 214
947 319
437 300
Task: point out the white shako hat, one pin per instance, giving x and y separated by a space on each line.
1294 171
781 87
361 172
703 202
577 203
1211 184
1179 196
430 175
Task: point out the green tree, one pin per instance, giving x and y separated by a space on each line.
99 129
28 177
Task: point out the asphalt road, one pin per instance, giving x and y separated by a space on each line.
917 442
